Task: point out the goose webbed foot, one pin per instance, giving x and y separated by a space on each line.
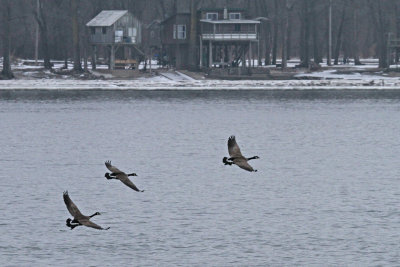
73 226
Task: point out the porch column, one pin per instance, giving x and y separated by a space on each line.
210 54
94 57
112 57
201 52
250 56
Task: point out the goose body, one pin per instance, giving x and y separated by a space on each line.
236 156
120 175
79 218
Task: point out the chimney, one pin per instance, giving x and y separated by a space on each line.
225 13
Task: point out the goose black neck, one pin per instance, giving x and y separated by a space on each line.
132 174
94 214
255 157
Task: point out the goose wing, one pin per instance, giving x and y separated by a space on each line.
242 163
233 148
112 168
124 178
89 223
72 208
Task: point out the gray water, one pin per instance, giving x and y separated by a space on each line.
327 190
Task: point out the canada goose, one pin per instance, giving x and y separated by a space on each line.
119 175
79 218
237 157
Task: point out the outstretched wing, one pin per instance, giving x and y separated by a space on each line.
72 208
124 178
89 223
233 148
113 169
242 163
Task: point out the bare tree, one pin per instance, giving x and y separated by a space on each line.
355 38
42 23
381 29
75 35
285 31
305 34
6 14
193 35
339 35
275 37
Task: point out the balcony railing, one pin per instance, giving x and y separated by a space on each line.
235 36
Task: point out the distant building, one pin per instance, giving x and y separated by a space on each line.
152 38
225 37
175 36
114 29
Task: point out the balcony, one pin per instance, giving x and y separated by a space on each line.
234 36
229 30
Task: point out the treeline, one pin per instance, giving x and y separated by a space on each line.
291 28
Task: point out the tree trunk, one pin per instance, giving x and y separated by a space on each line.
339 36
193 36
266 32
285 26
381 29
317 56
397 30
355 46
289 35
6 72
275 38
305 58
75 36
44 41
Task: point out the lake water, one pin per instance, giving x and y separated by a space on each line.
327 190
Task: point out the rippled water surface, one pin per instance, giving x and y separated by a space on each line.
327 190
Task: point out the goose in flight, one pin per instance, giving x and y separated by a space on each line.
120 175
236 156
79 218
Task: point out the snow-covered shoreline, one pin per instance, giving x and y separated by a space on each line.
160 83
349 77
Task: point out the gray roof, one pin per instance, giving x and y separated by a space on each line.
106 18
231 21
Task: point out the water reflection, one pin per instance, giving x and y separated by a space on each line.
127 95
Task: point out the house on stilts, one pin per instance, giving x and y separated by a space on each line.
226 37
226 41
119 34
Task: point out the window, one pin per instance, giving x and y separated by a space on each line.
93 30
132 31
212 16
234 15
104 30
179 31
